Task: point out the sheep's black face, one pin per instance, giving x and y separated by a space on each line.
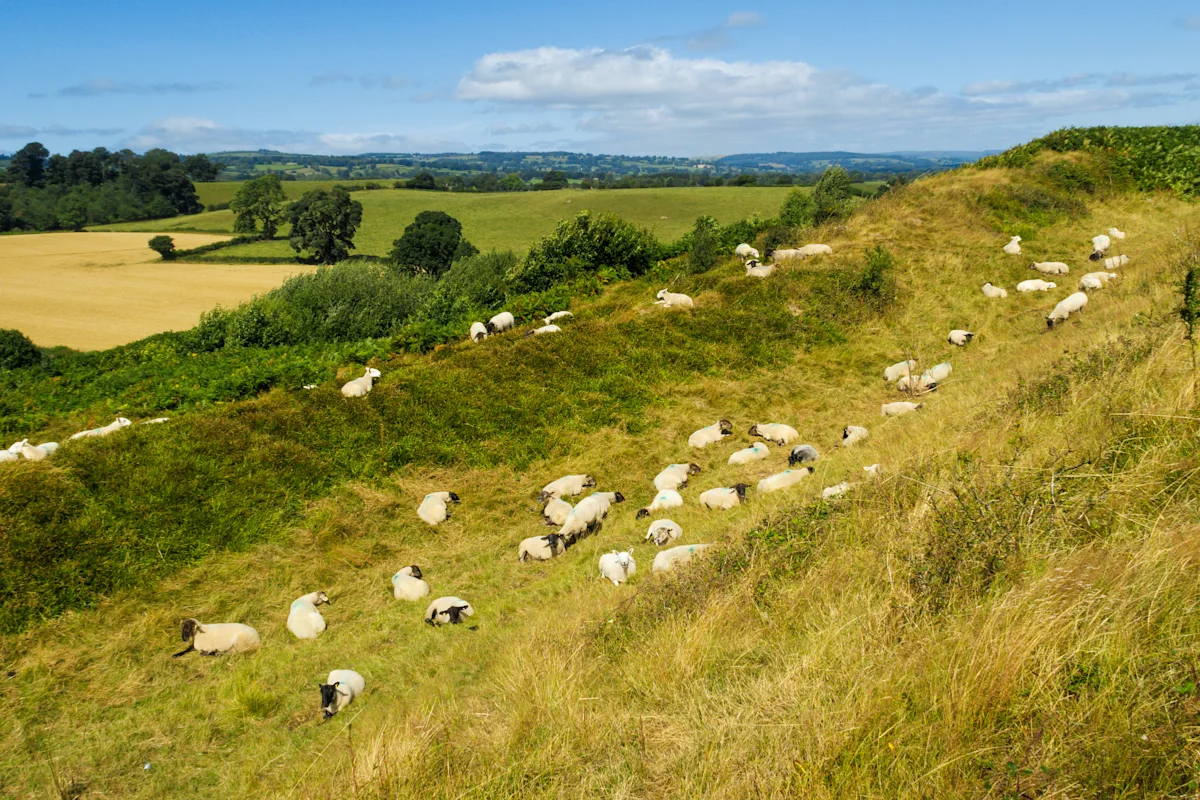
589 481
1096 256
415 570
454 614
726 427
642 513
545 497
453 498
741 490
619 498
189 629
328 698
693 469
845 433
753 430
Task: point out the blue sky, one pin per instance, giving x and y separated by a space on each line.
691 79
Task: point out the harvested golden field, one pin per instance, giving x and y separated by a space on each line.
92 291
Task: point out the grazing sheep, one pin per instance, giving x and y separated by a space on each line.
1116 233
663 531
433 508
112 427
745 252
1096 280
669 559
1050 267
873 470
566 486
340 690
898 408
500 323
675 476
939 372
755 452
557 315
448 611
775 432
1013 248
588 515
1036 285
1100 245
756 270
479 332
409 584
361 387
898 370
617 567
1116 262
802 454
673 300
304 620
783 480
835 491
544 329
724 497
711 434
1072 304
222 638
993 291
542 548
852 434
556 511
664 499
960 338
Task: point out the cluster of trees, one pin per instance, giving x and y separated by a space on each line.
323 221
44 192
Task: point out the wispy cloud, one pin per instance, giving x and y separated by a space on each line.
105 86
1190 23
385 82
26 131
198 134
502 129
1116 79
717 37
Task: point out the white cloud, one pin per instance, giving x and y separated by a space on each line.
197 134
103 86
26 131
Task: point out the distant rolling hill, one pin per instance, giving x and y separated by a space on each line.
912 161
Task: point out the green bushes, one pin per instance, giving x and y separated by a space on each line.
799 209
584 244
876 284
324 224
704 245
430 244
164 246
17 351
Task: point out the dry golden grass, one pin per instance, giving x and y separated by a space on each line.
92 291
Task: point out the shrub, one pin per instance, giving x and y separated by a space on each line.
704 245
875 283
799 209
16 351
832 194
584 244
164 246
430 244
474 284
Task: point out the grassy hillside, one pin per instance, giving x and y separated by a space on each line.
1006 612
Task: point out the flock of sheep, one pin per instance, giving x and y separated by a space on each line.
1077 301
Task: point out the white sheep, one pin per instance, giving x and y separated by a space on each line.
873 470
724 498
156 421
898 408
757 270
479 332
222 638
556 511
543 330
1036 285
675 476
433 508
755 452
1071 305
959 337
852 434
409 584
8 455
835 491
588 515
939 372
745 252
816 250
1100 245
557 315
30 452
112 427
993 291
775 432
1116 262
1096 280
448 610
669 559
566 486
1116 233
802 454
500 323
783 480
1013 248
898 370
1050 267
304 619
663 500
673 300
662 531
785 255
913 384
617 567
340 689
541 548
711 434
361 387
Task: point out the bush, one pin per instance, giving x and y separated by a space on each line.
585 244
471 285
704 245
875 284
799 209
832 194
431 244
164 246
16 351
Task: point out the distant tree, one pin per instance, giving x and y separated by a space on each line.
554 179
324 223
431 244
512 183
704 244
745 179
164 246
259 202
422 180
16 351
72 210
799 209
832 194
28 165
199 168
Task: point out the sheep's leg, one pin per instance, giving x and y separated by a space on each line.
191 646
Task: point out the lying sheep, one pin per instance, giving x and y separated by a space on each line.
409 584
543 330
669 559
556 511
222 638
557 315
899 370
1116 262
724 497
566 486
448 611
783 480
1013 248
802 454
541 548
745 252
7 456
939 372
112 427
755 452
873 470
785 255
1050 267
500 323
156 421
711 434
852 434
775 432
433 508
31 452
757 270
1036 285
673 300
914 384
816 250
617 567
835 491
960 338
479 332
340 689
304 620
993 291
1071 305
588 516
1116 233
662 531
663 500
675 476
898 408
1100 245
361 387
1096 280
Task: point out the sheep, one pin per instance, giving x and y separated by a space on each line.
663 531
1072 304
898 370
852 434
724 497
783 480
340 690
111 427
802 454
775 432
675 476
785 255
816 250
500 323
566 486
898 408
711 434
30 452
222 638
1116 233
541 548
673 299
755 452
588 515
556 511
156 421
745 252
1096 280
479 332
835 491
557 315
912 384
993 291
1036 285
448 610
1013 248
409 584
667 560
543 329
1116 262
309 386
361 387
960 338
433 508
939 372
756 270
873 470
617 567
8 455
662 500
1050 267
304 620
1100 245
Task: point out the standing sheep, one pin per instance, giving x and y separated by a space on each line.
673 300
1013 248
755 452
802 454
221 638
960 338
500 323
1100 245
566 486
340 690
669 559
479 332
675 476
617 567
725 497
662 531
409 584
448 611
541 548
304 620
783 480
1071 305
711 434
663 500
745 252
775 433
433 508
361 387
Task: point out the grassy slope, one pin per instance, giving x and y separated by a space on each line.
805 660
